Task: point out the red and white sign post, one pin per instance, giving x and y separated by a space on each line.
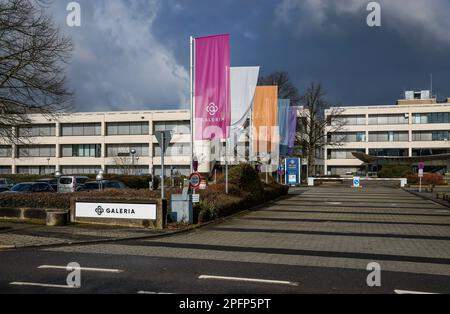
421 167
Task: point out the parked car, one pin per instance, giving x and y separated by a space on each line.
5 184
31 187
71 184
53 182
106 184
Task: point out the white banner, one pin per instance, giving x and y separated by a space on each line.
243 81
115 211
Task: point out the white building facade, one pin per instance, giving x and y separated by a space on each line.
83 143
416 126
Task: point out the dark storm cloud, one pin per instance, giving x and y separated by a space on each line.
134 54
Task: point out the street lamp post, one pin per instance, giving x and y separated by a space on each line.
133 154
99 179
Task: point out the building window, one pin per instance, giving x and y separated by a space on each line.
36 151
177 127
128 170
172 171
178 149
81 129
346 137
425 136
71 170
343 153
83 150
37 170
389 136
434 117
5 170
388 119
124 150
5 151
38 130
388 152
127 128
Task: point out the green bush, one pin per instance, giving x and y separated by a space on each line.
394 171
62 200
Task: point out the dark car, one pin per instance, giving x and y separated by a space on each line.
53 182
31 187
106 184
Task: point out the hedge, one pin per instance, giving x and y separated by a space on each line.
62 200
246 190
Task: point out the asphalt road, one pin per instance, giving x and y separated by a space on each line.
319 240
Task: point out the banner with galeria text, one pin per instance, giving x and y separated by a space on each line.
212 87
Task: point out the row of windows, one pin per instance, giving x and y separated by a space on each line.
127 128
386 119
86 170
95 129
389 136
95 150
343 153
434 117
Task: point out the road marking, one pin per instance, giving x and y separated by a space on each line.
42 285
278 282
412 292
333 203
150 292
104 270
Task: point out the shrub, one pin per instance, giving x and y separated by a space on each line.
394 171
428 178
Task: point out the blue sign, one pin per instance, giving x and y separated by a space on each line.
293 171
356 182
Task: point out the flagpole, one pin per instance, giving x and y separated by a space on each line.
191 87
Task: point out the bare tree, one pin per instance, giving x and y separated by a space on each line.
33 59
286 89
313 125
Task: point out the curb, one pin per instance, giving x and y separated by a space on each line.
438 202
154 236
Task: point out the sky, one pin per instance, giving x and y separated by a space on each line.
134 54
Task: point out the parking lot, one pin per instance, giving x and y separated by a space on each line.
318 240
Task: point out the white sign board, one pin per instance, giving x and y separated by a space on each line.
195 198
115 211
420 173
356 182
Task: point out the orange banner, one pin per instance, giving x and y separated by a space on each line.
265 118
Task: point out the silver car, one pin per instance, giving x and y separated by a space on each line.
71 184
5 184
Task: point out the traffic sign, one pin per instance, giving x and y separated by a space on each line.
195 180
356 182
420 173
421 165
203 185
164 138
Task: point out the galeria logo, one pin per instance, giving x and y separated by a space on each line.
99 210
212 109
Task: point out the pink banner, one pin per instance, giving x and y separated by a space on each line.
212 87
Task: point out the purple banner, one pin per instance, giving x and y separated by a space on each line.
212 87
292 125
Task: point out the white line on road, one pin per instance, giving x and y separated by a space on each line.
411 292
150 292
278 282
42 285
104 270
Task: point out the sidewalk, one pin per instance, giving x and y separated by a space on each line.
20 235
428 196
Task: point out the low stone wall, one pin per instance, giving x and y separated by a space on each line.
27 213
